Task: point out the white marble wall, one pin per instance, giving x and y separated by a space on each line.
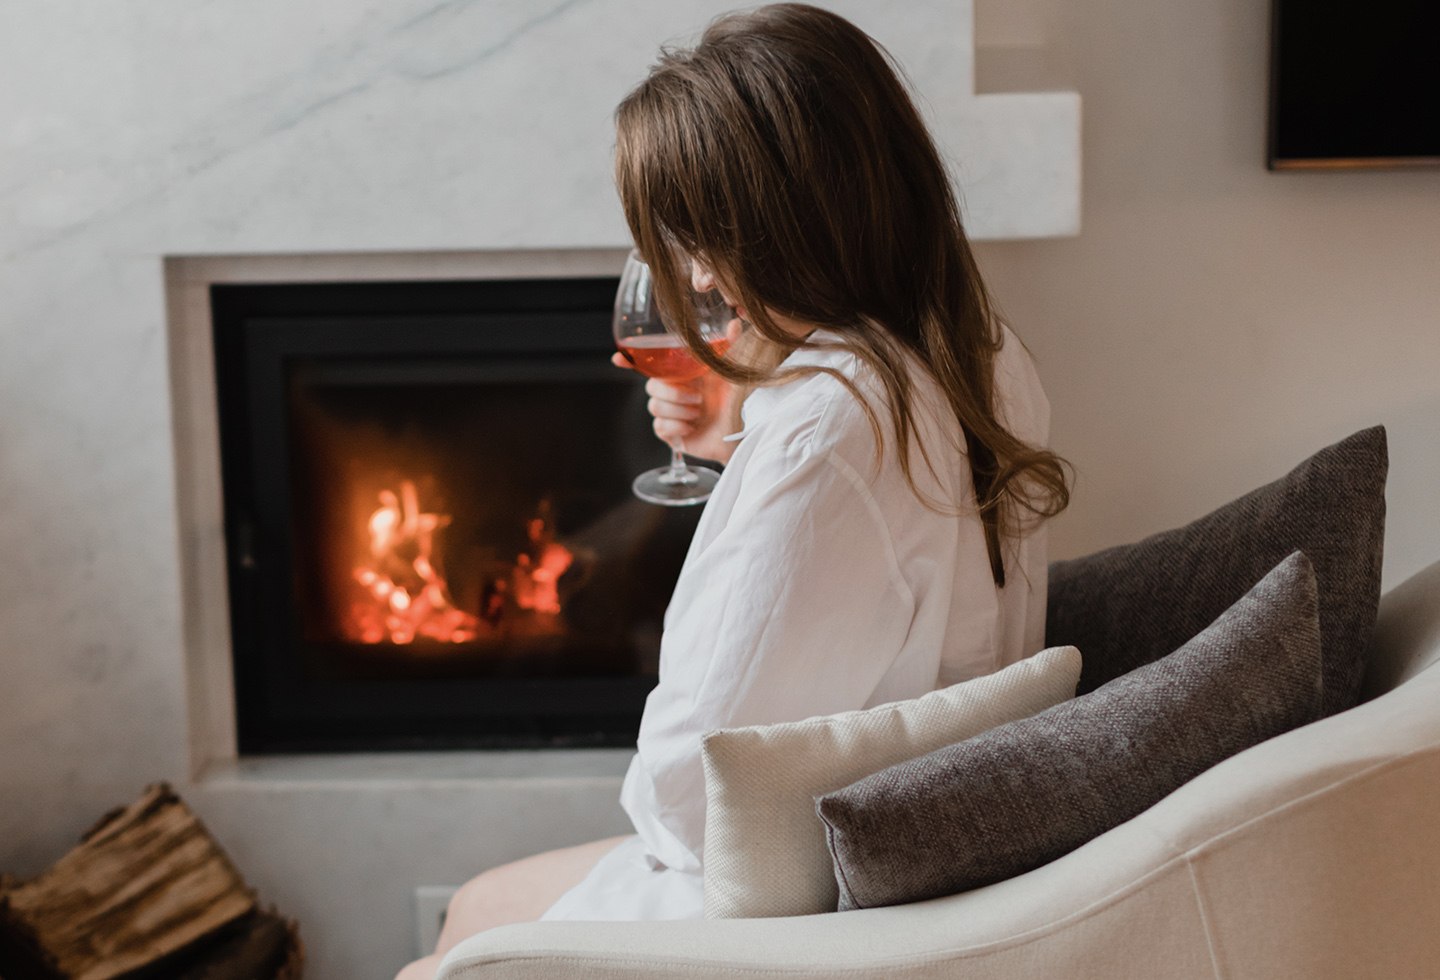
136 131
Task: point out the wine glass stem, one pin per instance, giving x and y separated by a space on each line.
679 472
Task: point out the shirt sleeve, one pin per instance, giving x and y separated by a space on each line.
795 608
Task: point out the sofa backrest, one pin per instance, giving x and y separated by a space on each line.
1406 639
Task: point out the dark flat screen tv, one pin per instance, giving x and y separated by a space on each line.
1354 84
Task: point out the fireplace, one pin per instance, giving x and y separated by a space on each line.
430 537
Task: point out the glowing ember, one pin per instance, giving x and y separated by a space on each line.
537 574
407 596
410 595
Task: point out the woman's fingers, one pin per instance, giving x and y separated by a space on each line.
675 407
662 409
679 394
682 403
672 431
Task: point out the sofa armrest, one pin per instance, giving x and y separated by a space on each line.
1258 860
1125 893
1152 927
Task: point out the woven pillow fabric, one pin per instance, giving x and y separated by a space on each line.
765 852
1128 605
1025 793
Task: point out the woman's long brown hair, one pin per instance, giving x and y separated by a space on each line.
785 152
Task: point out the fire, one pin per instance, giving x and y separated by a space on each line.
406 595
411 597
537 574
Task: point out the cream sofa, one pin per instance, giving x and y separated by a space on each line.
1312 855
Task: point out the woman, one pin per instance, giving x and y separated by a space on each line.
877 532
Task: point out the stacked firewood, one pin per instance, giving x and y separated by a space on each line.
146 893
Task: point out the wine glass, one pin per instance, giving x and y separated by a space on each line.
647 343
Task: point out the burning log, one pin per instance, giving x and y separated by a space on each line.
410 595
406 598
538 571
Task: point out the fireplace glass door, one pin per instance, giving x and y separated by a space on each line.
431 538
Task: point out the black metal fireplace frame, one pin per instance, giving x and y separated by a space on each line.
259 329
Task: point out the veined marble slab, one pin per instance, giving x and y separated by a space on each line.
275 127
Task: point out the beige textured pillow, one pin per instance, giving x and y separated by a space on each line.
765 851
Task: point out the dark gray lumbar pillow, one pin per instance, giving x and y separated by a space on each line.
1029 791
1128 605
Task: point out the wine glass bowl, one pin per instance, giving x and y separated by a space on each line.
645 340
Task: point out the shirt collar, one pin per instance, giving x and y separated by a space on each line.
763 402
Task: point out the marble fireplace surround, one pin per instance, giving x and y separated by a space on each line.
148 157
211 698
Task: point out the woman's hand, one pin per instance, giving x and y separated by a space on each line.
694 413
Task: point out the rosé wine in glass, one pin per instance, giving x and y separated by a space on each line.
666 357
646 342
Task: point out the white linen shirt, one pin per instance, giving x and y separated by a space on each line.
816 582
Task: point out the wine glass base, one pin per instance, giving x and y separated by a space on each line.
659 486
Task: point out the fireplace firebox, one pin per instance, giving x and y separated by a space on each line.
431 542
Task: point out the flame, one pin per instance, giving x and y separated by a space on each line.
537 574
406 595
411 597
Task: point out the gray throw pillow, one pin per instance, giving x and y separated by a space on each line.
1029 791
1128 605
